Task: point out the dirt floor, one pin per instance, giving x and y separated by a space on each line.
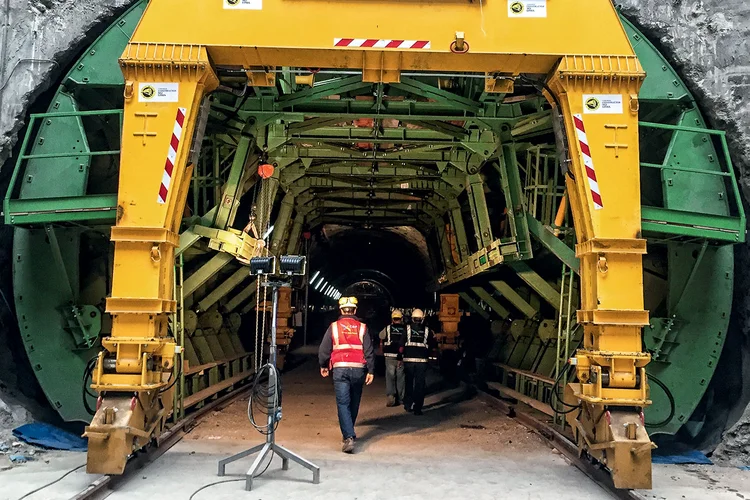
460 448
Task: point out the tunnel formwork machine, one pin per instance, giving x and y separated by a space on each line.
480 125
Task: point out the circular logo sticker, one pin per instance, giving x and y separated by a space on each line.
233 2
148 92
593 103
517 7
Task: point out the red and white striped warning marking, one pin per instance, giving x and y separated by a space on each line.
166 178
376 43
583 142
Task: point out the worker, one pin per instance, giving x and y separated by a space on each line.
347 351
415 351
390 336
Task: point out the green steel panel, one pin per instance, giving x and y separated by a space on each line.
689 357
100 66
41 291
62 177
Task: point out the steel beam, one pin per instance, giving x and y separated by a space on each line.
445 246
294 234
472 304
512 296
281 223
334 86
491 301
459 230
241 297
204 273
231 192
515 200
553 243
224 288
536 282
479 214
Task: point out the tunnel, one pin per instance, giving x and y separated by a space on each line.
404 210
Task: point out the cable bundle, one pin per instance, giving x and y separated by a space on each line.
265 400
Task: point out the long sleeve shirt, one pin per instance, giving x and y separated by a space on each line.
326 349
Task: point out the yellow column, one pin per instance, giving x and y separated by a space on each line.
598 99
164 86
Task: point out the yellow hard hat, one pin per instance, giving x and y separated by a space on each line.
397 314
347 302
417 313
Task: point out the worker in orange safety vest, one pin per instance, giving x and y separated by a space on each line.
348 352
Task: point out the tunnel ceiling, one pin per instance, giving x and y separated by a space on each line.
431 181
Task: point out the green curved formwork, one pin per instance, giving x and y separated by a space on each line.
688 322
51 271
688 329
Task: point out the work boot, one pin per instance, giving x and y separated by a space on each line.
417 412
391 401
408 408
348 445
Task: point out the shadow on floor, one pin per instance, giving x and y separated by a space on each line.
436 412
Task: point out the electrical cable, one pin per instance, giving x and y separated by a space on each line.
205 486
265 400
71 471
87 372
672 408
555 392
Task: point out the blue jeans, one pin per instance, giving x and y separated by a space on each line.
348 384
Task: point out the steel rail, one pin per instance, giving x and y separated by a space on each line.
561 443
105 485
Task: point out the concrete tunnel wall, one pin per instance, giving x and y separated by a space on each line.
708 41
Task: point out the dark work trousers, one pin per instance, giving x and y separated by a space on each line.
394 378
415 385
348 384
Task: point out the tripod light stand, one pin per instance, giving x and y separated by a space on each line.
290 265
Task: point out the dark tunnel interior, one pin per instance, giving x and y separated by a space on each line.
383 268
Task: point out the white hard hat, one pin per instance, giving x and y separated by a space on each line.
417 313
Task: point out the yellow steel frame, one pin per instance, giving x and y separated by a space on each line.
578 46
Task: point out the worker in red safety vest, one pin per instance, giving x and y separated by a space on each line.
347 350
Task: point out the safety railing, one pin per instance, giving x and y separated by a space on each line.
677 223
20 211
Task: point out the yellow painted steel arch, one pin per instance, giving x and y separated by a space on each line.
592 79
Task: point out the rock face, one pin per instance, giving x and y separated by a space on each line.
707 40
40 38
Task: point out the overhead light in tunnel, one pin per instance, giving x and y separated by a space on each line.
315 277
321 282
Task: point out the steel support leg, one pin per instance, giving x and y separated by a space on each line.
479 213
459 230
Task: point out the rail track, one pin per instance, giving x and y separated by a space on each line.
104 485
522 413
